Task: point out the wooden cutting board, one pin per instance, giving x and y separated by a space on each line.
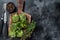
19 11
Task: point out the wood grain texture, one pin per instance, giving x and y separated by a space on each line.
20 5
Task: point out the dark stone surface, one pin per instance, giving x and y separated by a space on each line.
46 14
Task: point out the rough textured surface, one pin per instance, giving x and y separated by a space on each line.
47 16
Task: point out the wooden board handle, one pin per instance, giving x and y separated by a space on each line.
20 5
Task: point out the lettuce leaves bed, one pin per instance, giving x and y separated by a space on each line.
20 27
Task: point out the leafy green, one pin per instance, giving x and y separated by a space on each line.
17 27
20 33
14 26
15 18
22 17
12 33
30 27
